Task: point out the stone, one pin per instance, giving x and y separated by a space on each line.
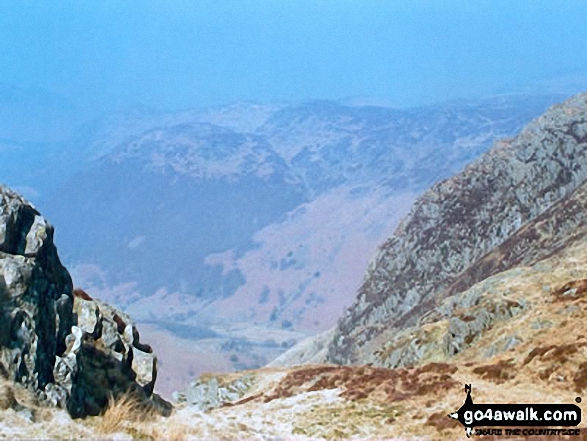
145 366
503 344
101 361
207 394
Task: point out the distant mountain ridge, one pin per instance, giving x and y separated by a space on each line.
303 151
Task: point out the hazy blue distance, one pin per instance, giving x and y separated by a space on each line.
178 54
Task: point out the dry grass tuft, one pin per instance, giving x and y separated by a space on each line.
441 422
14 395
122 414
580 378
359 383
554 353
7 399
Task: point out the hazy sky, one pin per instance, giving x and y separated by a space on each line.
175 54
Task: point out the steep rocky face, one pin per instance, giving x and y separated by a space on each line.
71 350
35 294
443 246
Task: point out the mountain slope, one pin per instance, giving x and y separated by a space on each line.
176 183
438 249
533 351
131 209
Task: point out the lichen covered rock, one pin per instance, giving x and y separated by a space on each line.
207 393
35 295
70 349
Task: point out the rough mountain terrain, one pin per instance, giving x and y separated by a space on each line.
532 351
518 203
244 230
510 321
505 243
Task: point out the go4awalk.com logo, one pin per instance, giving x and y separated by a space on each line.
537 416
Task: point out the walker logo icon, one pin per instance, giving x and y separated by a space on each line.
473 415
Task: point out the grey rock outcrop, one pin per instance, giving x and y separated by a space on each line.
311 350
104 357
73 351
459 232
35 294
206 394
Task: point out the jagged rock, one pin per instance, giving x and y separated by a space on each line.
145 366
464 329
72 350
503 344
35 294
102 359
204 395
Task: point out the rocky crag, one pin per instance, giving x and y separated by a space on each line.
72 351
519 203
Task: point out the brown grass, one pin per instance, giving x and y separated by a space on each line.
466 318
122 413
580 287
580 379
499 372
359 383
7 398
554 353
440 421
78 292
13 395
